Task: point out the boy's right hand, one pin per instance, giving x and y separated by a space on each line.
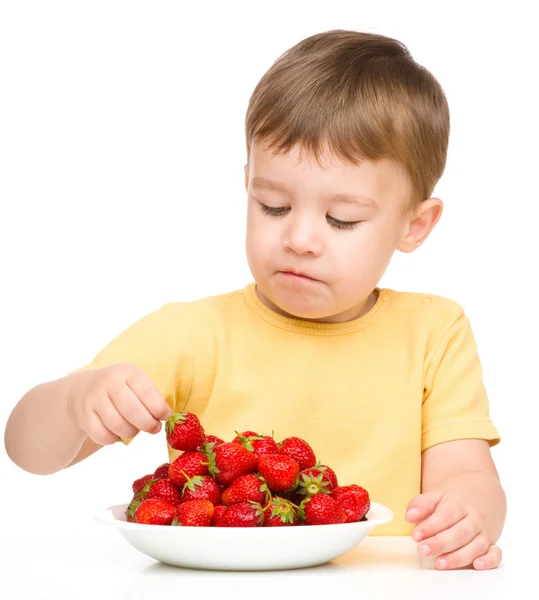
116 402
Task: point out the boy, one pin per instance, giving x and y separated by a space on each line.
346 139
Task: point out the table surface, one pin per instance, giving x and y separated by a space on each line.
101 564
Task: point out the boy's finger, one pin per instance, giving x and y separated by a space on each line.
422 506
464 556
133 411
450 539
446 514
490 560
146 391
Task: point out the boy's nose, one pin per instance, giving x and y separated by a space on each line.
303 237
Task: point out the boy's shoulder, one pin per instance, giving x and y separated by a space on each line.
201 309
425 302
432 314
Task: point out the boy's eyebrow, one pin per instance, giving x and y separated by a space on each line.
360 200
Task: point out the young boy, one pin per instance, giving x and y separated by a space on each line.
346 139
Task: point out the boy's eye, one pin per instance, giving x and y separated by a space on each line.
281 210
271 210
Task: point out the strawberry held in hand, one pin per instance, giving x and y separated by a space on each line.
184 431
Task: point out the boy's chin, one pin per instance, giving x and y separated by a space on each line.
297 309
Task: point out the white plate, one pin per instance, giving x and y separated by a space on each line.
244 548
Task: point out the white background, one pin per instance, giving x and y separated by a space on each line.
121 188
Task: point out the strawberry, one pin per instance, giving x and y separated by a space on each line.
353 500
259 444
317 480
280 512
245 488
184 431
194 513
162 471
218 513
299 450
209 439
155 512
279 471
201 488
140 483
163 489
321 509
132 509
242 514
229 460
187 465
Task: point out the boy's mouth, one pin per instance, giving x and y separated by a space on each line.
297 275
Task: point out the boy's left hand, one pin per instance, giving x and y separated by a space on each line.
449 525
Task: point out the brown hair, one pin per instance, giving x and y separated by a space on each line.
361 95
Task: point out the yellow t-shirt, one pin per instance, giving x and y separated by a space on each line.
368 395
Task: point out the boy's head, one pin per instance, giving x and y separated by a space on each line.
340 114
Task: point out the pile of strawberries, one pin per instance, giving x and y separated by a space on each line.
252 481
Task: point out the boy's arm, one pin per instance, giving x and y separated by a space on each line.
40 436
462 508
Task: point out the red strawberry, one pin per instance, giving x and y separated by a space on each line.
162 471
322 509
218 513
317 480
201 488
279 471
163 489
245 488
155 512
299 450
140 483
353 500
187 465
280 512
259 444
184 431
194 513
230 460
242 514
132 509
209 439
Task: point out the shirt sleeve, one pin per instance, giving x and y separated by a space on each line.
455 402
160 344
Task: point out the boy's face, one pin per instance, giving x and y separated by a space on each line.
308 228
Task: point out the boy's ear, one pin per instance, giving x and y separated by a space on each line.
246 169
420 224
